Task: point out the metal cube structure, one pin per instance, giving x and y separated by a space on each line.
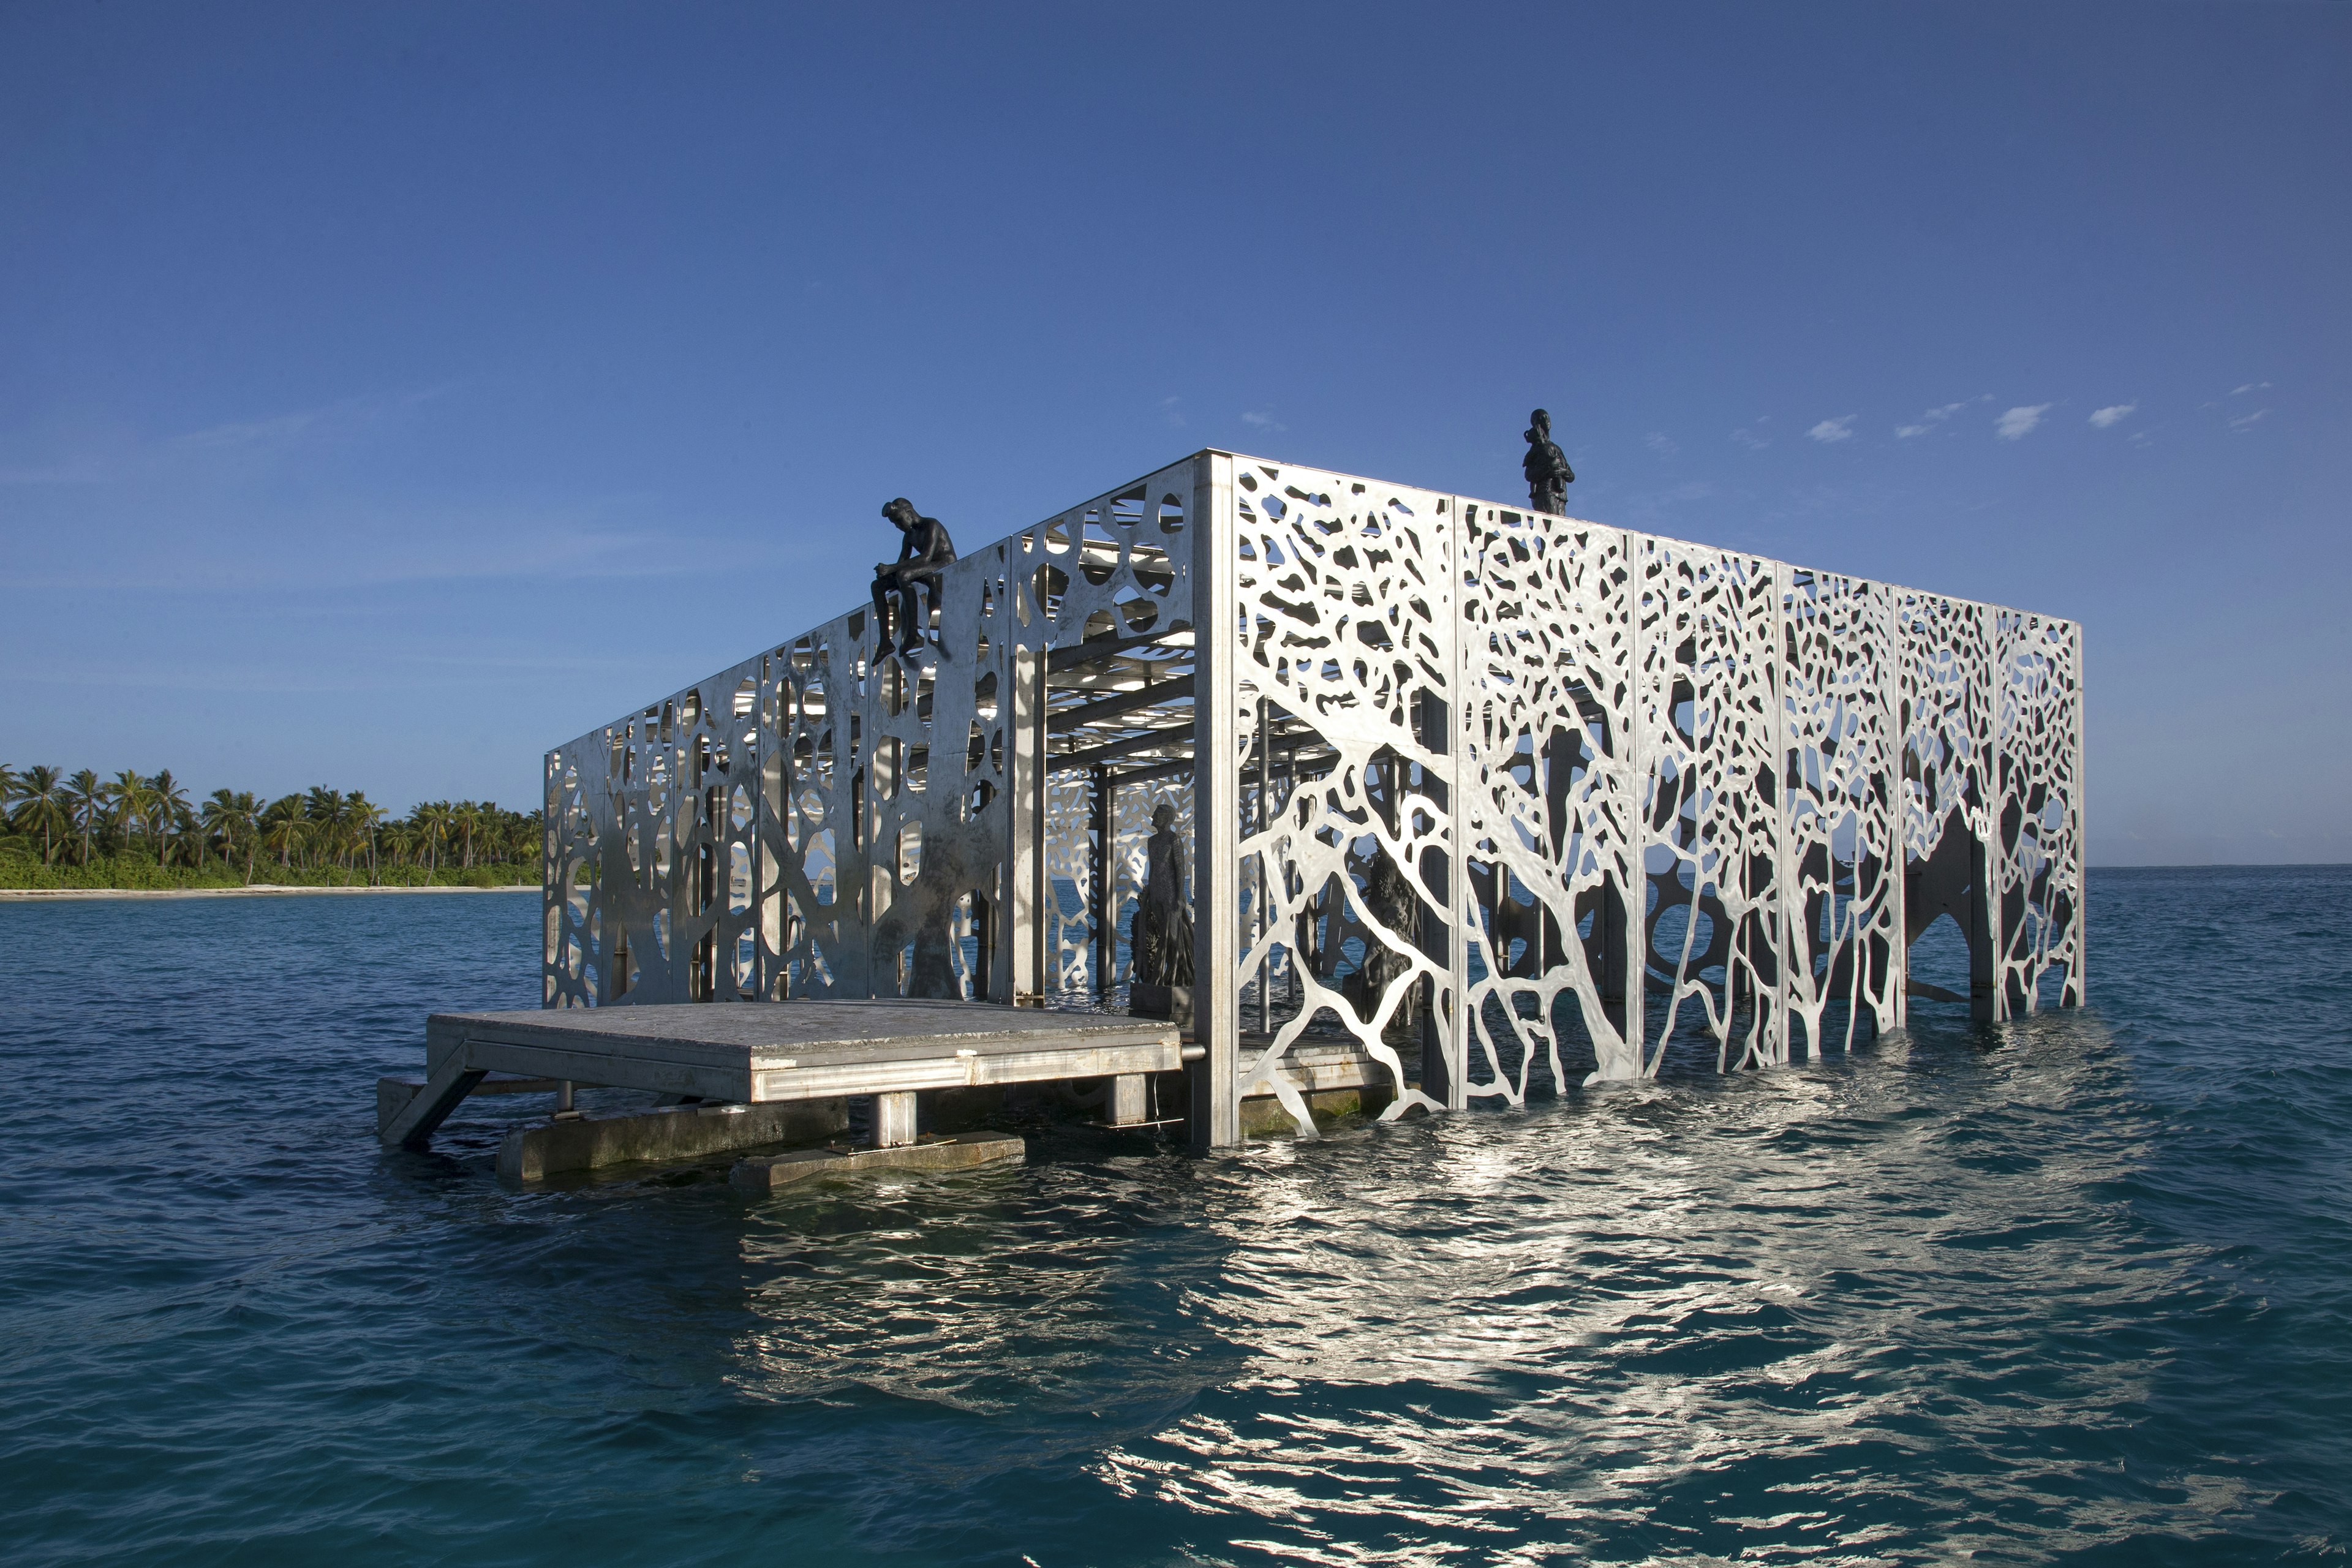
1503 801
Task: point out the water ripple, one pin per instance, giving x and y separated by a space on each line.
2070 1289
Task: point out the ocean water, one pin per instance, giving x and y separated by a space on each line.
2077 1290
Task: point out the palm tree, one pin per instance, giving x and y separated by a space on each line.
468 819
323 808
85 801
41 807
282 828
7 783
366 818
167 807
126 803
228 817
249 826
433 820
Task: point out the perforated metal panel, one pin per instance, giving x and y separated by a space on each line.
1518 800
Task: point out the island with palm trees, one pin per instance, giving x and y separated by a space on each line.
141 832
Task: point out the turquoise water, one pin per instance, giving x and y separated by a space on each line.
2071 1291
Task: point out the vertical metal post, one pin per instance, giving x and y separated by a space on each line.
1048 904
1984 937
1259 921
1897 645
1216 804
1996 862
1783 936
1638 773
1460 712
1436 927
551 918
1099 802
1024 941
2074 994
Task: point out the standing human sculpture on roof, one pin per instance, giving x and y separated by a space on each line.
1549 474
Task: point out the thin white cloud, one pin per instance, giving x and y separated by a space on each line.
1830 431
250 432
2113 414
555 552
2245 419
2018 423
346 416
2250 386
76 471
248 441
1172 409
1262 422
1749 439
1930 418
1658 442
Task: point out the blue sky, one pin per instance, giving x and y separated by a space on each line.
387 393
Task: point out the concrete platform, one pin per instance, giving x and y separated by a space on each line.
768 1173
774 1053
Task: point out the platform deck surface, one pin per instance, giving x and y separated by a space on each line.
764 1051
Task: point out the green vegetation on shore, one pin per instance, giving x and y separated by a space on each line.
143 832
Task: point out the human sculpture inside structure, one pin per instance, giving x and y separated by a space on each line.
1549 474
924 549
1394 906
1163 935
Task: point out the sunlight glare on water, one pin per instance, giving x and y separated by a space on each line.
2073 1288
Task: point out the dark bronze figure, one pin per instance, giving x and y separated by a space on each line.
1549 474
1163 940
1395 907
923 550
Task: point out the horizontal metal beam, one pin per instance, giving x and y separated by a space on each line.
1146 742
1155 771
1302 765
1094 648
1125 702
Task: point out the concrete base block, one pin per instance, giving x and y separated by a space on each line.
687 1133
894 1119
1261 1116
1124 1106
768 1173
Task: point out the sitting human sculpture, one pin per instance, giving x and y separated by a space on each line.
1163 940
924 552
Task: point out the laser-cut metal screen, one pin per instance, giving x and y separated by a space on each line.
1503 801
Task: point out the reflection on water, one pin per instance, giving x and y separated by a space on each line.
2070 1285
1829 1311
